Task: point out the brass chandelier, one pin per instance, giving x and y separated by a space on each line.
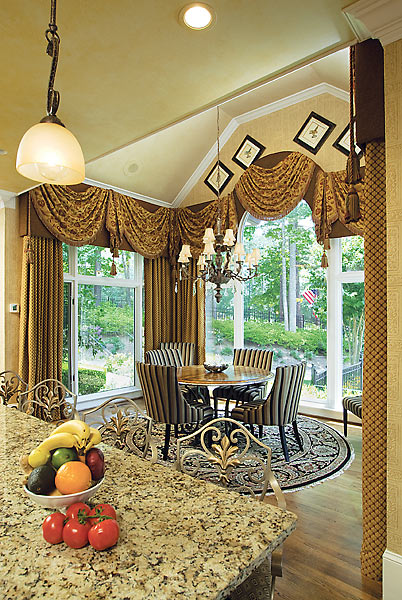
223 259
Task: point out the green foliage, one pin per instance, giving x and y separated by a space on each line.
267 335
123 364
112 319
90 381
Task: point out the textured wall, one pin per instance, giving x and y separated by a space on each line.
10 281
276 132
393 121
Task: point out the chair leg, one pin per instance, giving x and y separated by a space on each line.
345 422
167 440
216 400
252 428
283 442
297 434
176 431
260 431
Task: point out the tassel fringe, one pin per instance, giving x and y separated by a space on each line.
113 270
324 260
352 206
29 252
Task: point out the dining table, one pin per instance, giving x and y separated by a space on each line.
233 375
179 537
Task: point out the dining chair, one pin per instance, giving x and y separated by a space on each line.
186 349
247 357
279 408
165 403
11 386
354 405
225 446
49 400
123 423
173 357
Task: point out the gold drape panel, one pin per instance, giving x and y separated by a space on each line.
269 194
374 407
190 311
159 301
329 204
147 233
173 315
41 322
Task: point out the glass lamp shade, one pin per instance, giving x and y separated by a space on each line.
50 153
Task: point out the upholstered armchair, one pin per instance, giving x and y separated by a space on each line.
186 349
173 357
280 407
165 403
233 448
248 357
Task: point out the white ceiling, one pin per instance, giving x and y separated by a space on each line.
128 70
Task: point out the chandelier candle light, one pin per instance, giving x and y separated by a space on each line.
222 259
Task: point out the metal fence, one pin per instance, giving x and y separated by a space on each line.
267 316
352 377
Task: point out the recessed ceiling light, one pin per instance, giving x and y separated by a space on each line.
197 15
131 167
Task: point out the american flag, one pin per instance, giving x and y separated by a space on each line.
310 296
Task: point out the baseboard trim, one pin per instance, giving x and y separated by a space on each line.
392 575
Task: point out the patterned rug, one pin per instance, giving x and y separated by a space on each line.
325 455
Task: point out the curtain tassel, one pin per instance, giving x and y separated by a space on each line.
352 205
324 260
113 270
326 244
29 251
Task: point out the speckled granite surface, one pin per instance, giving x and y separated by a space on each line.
180 538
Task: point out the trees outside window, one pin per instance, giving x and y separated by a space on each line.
102 320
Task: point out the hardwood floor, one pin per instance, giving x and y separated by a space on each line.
321 558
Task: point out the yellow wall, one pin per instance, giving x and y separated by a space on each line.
393 118
10 284
276 132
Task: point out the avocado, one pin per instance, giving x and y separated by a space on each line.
41 480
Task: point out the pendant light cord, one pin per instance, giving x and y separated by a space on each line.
218 175
53 39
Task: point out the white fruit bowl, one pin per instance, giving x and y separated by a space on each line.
63 502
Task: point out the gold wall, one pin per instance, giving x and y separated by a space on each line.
276 132
10 284
393 123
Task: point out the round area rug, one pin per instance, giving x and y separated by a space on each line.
325 455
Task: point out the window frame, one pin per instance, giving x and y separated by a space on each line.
73 278
336 277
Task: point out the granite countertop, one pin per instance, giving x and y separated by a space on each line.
180 537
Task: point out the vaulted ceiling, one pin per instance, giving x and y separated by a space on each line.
128 69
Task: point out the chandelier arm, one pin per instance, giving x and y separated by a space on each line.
53 39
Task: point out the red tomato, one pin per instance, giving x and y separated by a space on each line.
75 534
78 511
52 528
104 535
102 510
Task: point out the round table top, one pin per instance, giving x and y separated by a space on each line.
198 375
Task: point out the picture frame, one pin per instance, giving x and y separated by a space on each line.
342 142
248 151
211 179
314 132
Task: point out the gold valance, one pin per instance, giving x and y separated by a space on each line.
266 193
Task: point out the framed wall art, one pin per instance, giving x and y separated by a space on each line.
248 151
342 143
313 133
211 179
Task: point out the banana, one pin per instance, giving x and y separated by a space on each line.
40 455
94 438
76 427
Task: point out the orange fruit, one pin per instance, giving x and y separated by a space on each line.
72 477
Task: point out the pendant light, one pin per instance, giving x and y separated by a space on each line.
49 152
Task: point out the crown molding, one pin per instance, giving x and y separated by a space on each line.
380 19
316 90
7 199
134 195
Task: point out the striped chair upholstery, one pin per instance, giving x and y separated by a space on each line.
168 357
164 401
280 406
187 350
354 405
249 357
173 357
